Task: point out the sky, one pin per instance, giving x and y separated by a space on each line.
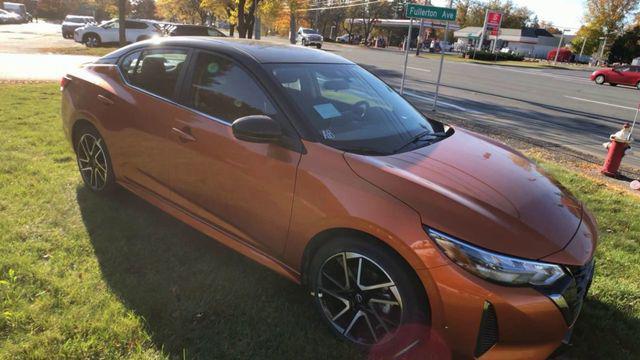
562 13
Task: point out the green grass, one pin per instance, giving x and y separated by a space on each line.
84 276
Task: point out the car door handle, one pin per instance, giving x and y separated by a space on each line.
105 100
184 135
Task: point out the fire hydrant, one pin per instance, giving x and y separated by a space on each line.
618 147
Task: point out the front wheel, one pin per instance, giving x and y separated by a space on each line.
92 40
638 85
599 79
318 46
304 42
93 159
369 296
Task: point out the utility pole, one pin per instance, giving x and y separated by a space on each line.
407 45
584 42
419 38
121 22
446 32
292 26
604 42
555 59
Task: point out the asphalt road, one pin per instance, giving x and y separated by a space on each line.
559 107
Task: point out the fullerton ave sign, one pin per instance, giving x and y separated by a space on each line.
430 12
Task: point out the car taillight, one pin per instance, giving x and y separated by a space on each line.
64 82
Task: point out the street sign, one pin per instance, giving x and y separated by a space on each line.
494 18
416 11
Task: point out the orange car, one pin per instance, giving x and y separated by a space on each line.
414 237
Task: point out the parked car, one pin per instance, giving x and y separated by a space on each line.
309 37
72 22
565 55
194 30
623 75
7 17
17 8
343 39
94 35
407 231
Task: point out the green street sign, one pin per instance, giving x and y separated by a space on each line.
430 12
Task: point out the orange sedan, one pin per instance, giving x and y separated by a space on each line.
415 238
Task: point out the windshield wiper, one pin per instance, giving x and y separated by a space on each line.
421 136
362 150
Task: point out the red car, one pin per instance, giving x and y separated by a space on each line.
623 75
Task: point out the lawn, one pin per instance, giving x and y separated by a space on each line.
85 276
525 64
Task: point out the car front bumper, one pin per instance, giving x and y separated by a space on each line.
475 318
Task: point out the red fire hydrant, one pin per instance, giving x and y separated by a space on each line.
617 147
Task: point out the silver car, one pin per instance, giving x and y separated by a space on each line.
309 37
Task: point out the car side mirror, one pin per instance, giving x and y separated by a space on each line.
257 129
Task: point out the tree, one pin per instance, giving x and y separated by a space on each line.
143 9
190 11
604 18
246 17
371 13
626 47
472 13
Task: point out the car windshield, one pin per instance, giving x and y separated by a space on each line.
309 31
353 110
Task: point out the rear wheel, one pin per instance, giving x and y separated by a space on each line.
612 84
369 296
599 79
319 46
638 85
93 159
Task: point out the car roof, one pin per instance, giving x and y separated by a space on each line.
261 51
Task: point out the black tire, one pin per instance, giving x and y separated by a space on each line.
94 161
638 85
319 46
304 42
612 84
92 40
600 79
410 311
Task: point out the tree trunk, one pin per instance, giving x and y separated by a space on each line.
242 26
121 23
292 27
232 29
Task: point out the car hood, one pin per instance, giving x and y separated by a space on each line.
480 191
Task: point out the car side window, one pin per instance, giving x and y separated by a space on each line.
156 71
224 90
128 65
134 25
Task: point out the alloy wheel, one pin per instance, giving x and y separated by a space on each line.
359 298
92 161
92 41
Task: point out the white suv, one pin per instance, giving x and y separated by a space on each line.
108 32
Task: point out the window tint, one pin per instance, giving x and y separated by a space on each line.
128 65
135 25
156 71
225 91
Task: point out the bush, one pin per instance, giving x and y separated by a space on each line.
489 56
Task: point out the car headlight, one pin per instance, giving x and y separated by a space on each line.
496 267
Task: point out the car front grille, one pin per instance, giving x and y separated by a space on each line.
575 294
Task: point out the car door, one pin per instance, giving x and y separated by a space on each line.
148 109
134 29
244 189
109 32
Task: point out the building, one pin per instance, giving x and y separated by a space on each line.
530 42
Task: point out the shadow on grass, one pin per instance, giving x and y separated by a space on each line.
202 300
198 298
604 332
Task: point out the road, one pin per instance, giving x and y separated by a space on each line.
559 107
